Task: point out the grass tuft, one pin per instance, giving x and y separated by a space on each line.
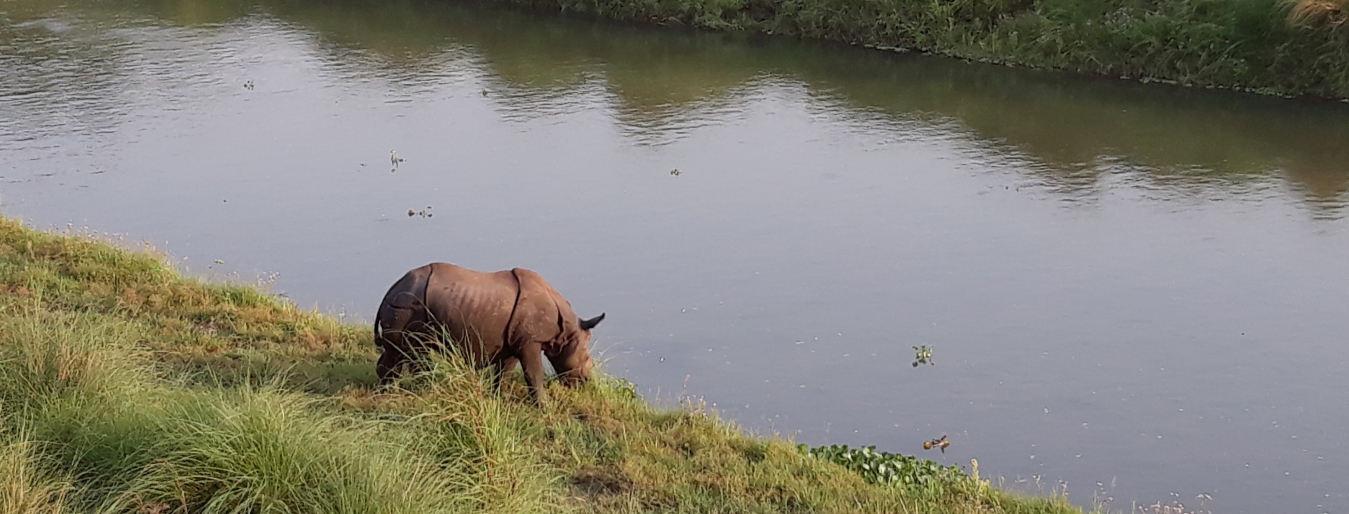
26 487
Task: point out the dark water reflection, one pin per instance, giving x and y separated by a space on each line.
1137 290
1075 130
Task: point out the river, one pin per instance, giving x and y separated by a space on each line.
1139 291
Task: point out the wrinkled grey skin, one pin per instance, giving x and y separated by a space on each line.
497 319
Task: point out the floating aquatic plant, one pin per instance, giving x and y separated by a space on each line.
922 355
890 468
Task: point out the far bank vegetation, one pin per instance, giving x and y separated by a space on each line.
1268 46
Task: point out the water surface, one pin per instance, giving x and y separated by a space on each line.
1136 290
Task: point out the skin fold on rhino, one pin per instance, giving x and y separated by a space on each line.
496 319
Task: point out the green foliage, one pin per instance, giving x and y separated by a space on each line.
1238 44
893 468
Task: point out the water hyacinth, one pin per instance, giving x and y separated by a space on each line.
891 468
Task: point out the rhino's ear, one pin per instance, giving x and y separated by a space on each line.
587 324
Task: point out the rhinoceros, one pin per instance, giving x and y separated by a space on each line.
496 319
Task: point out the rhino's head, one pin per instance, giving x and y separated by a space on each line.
572 359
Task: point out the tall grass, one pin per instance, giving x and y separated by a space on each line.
26 487
251 450
136 443
47 357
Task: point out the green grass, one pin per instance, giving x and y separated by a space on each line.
1266 46
126 387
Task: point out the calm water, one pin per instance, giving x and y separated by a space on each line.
1136 290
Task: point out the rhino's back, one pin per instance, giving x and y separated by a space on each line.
408 293
472 306
403 307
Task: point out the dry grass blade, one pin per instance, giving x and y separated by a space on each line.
26 488
1318 13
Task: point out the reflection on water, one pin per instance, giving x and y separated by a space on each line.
1119 283
1073 131
1076 130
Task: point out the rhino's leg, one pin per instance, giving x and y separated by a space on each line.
394 336
388 364
531 358
419 340
502 367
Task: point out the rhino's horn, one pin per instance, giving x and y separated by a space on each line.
587 324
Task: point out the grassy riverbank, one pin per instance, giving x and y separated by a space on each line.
1240 44
125 387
